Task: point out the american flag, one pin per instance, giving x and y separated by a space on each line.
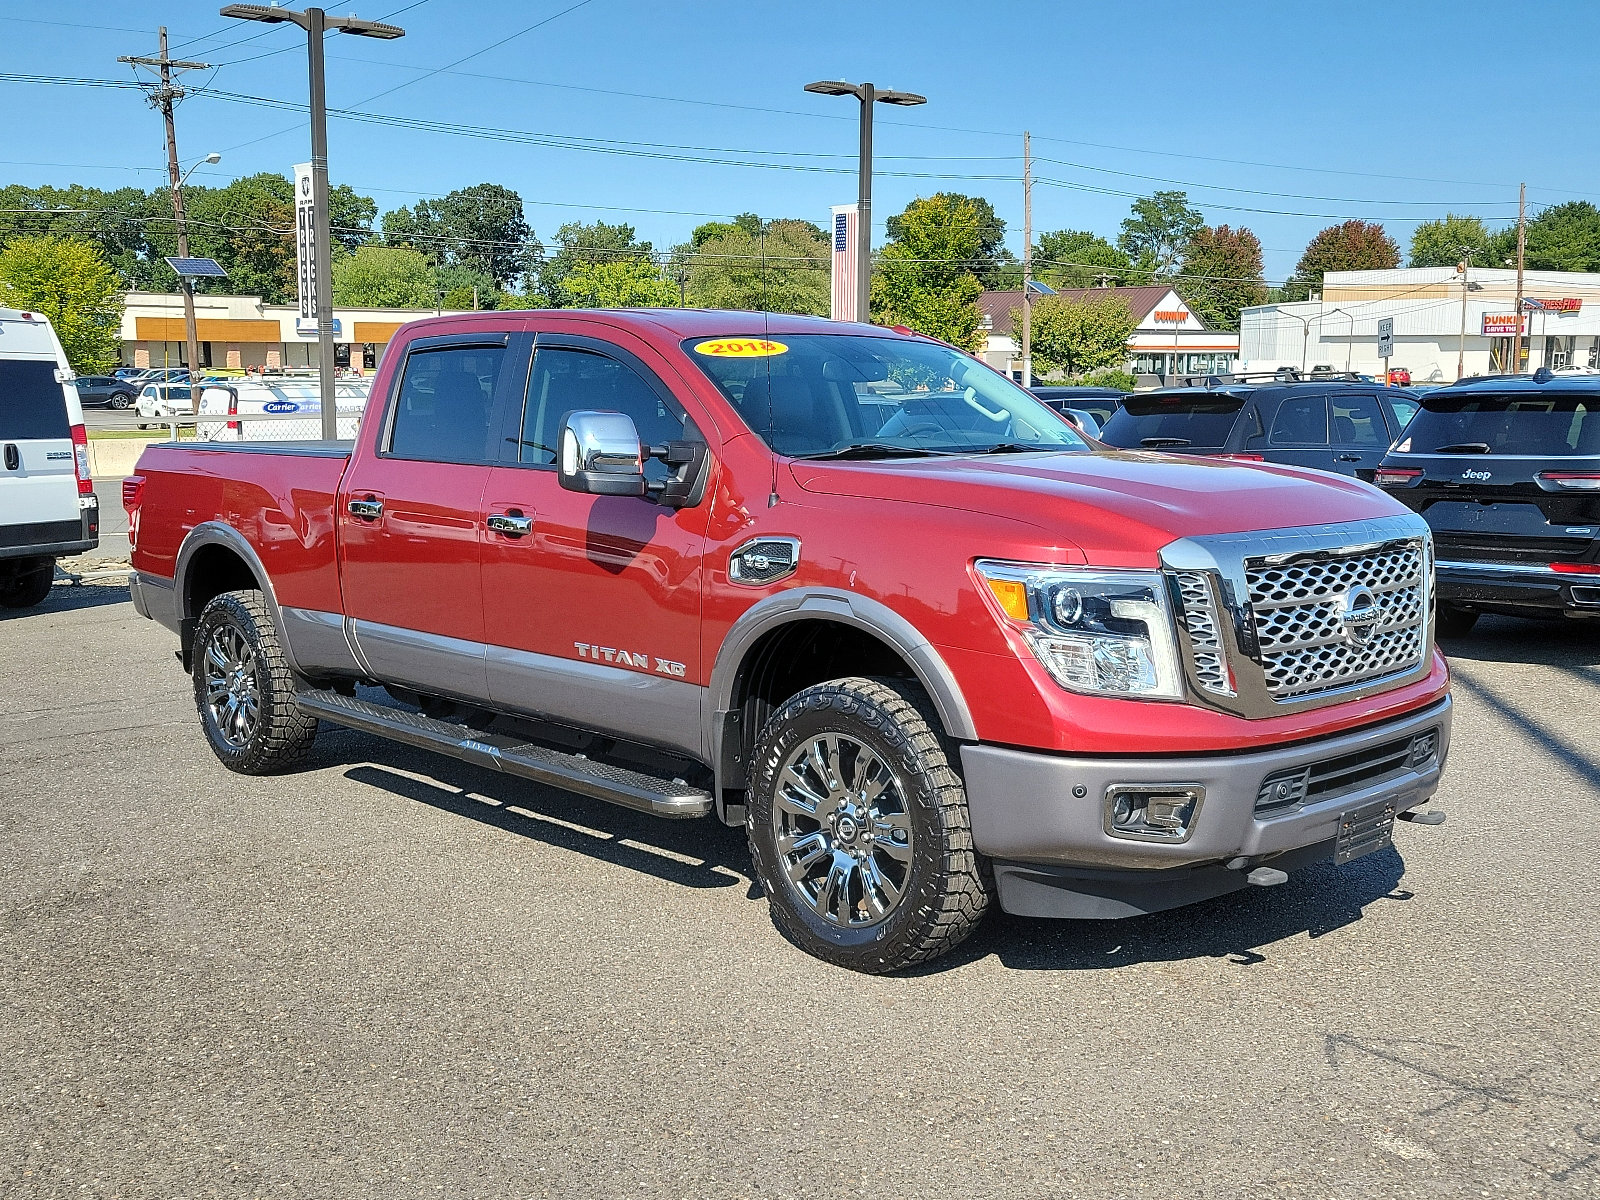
844 262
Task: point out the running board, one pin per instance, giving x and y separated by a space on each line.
573 772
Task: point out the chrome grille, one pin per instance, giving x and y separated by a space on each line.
1297 606
1205 639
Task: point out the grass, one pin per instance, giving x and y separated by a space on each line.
162 434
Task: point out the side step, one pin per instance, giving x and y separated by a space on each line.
616 785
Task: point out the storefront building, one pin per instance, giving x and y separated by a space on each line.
1167 340
1446 326
242 331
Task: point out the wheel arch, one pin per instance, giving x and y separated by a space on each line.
215 558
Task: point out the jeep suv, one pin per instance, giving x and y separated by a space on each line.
1331 425
1506 470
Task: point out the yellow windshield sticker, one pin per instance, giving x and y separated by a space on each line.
741 348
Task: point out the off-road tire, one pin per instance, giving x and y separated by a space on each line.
1454 622
283 734
28 586
947 885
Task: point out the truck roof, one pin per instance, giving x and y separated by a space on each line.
678 322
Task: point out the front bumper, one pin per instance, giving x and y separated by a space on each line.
1043 818
1518 587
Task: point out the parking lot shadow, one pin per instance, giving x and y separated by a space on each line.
69 598
1567 644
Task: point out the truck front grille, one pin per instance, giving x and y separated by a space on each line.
1298 612
1205 637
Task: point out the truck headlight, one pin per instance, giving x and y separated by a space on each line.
1102 633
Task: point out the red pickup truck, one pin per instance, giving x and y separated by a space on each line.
844 585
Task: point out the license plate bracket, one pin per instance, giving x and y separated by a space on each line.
1364 830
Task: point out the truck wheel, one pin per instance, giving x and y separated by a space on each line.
1454 622
858 828
243 688
29 584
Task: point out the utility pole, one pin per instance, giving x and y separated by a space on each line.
1027 261
163 97
1461 345
1522 248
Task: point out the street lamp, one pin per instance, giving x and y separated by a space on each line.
1305 336
191 333
316 22
868 95
1465 267
1350 341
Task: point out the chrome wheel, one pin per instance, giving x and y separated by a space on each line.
843 831
233 693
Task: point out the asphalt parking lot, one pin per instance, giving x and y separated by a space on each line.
395 975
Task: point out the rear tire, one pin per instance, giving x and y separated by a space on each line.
244 690
29 584
858 828
1455 622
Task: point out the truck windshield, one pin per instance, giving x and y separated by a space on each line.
821 395
1176 420
1505 423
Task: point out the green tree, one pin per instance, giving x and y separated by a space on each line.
991 261
1441 243
481 227
748 222
925 277
622 283
115 221
383 277
782 269
1352 246
1076 336
466 288
1158 229
578 243
70 282
1076 258
1221 272
1564 237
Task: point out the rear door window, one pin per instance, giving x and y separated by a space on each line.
1538 424
33 405
1301 420
1177 421
1356 421
445 404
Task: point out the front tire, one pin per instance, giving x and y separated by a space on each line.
858 828
120 401
29 584
244 690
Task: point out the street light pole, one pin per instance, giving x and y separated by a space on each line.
869 95
1461 343
1350 341
316 23
1305 337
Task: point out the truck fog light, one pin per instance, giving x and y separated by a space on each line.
1152 812
1423 747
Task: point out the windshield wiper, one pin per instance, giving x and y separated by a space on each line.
1017 448
1163 441
871 450
1463 448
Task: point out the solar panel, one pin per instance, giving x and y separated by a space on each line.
197 268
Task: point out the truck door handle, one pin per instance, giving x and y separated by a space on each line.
367 510
512 524
13 457
1348 458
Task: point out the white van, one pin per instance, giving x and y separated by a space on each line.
48 508
286 409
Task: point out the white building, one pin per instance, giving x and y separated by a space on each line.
1168 340
1439 318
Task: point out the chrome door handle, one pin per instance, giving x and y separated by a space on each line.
367 510
510 524
1348 458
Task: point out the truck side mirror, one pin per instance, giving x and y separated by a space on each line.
600 454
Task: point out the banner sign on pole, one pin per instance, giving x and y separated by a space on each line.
844 233
305 243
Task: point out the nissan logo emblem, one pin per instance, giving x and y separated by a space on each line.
1359 615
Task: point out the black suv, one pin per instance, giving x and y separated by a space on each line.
1506 471
1332 425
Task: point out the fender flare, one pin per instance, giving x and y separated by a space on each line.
844 608
220 533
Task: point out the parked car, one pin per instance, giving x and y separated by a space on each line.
1506 471
163 401
281 408
104 391
1399 376
1328 425
930 647
129 374
1098 402
48 508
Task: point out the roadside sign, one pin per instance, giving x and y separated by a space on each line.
305 258
1386 337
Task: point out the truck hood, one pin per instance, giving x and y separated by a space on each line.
1119 508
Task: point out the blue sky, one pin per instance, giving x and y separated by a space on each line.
1298 113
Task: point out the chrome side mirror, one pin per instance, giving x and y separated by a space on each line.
600 454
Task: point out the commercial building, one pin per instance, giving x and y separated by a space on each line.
1441 318
243 331
1167 340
